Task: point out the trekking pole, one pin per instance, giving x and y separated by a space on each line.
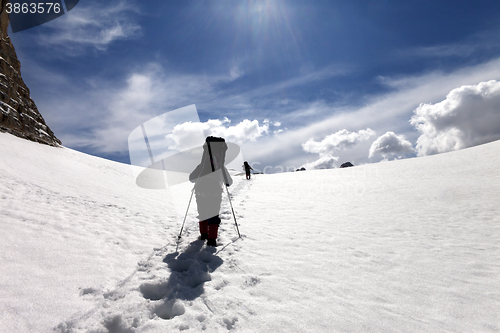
234 215
189 204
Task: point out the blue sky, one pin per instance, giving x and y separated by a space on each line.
314 83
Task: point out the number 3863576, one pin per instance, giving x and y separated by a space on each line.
34 8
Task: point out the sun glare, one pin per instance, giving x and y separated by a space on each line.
267 21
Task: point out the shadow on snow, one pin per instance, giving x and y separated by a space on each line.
189 271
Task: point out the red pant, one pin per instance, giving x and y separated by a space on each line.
210 229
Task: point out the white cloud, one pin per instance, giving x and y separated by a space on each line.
390 144
469 116
235 72
246 130
324 162
88 26
340 140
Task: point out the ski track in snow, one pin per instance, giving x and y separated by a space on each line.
176 283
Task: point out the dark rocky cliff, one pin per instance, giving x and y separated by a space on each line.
18 113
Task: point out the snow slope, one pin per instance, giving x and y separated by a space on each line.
403 246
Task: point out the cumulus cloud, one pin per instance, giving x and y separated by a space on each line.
469 116
340 140
390 144
246 130
324 162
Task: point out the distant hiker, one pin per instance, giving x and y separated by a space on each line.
247 169
209 176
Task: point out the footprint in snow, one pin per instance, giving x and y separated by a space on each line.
189 271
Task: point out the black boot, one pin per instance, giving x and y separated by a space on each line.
211 242
203 236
